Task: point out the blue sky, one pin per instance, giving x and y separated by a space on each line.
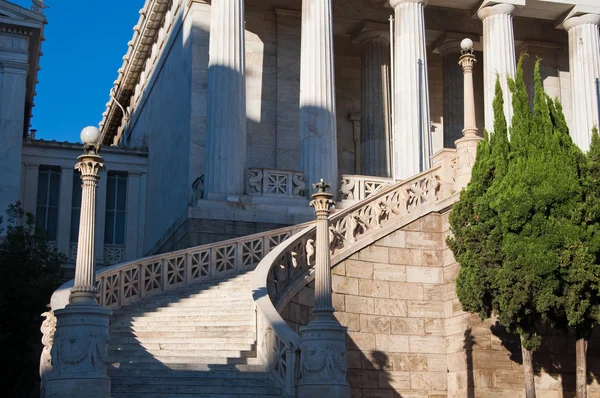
85 43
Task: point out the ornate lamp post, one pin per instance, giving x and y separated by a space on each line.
80 350
466 147
324 363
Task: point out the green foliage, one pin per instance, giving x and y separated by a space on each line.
523 238
30 271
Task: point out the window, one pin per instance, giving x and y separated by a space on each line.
75 206
116 208
46 213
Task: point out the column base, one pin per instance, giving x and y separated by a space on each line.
80 353
324 363
466 151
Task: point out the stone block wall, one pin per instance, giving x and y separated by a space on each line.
409 338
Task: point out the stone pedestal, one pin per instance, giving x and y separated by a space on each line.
318 134
226 128
412 140
584 65
375 104
323 362
453 92
80 353
498 57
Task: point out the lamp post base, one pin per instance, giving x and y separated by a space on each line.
80 353
324 363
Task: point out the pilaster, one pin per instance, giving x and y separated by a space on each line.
499 58
226 128
63 235
584 65
30 188
100 218
412 141
318 134
375 104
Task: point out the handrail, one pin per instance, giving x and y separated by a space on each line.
291 262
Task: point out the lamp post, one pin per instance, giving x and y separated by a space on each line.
80 350
466 147
323 362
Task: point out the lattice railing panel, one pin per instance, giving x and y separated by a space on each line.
199 265
174 272
131 284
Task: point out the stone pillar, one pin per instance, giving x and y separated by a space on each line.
498 57
323 339
412 140
318 134
453 92
63 235
355 119
584 65
466 147
100 219
375 104
80 349
226 120
13 77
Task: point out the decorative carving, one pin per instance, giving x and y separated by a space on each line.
79 352
310 251
48 329
298 184
380 213
255 182
324 361
347 189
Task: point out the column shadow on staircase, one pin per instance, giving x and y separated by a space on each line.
211 355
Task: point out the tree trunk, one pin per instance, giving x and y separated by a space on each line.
528 371
581 362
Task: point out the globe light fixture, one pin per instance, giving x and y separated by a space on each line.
91 137
467 45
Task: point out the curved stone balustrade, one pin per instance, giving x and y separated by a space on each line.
288 268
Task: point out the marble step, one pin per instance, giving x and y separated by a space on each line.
117 355
180 345
131 339
232 381
248 366
186 395
197 390
211 328
148 362
194 311
204 302
194 321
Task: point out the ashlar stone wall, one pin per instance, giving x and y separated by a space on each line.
409 338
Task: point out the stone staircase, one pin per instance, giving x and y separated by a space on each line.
198 340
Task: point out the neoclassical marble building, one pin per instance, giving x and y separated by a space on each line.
232 94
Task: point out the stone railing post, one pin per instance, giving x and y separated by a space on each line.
466 147
323 360
79 354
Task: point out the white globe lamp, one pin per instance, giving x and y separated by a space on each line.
90 135
466 45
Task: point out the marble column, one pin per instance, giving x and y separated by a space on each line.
584 65
323 339
226 120
453 92
318 134
498 57
375 104
412 124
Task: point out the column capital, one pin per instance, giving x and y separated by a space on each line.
498 9
395 3
593 19
368 31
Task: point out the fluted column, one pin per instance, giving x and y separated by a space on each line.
84 291
584 65
226 120
319 158
498 57
412 140
453 92
375 106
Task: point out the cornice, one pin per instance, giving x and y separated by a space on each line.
139 50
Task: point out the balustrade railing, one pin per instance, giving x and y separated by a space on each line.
290 264
278 183
354 188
